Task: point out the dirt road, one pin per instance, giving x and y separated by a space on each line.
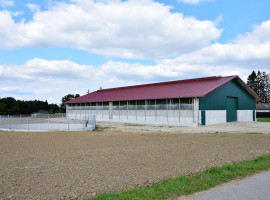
76 165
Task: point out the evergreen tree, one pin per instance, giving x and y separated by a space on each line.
260 84
66 98
11 106
252 81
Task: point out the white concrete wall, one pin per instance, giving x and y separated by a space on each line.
215 117
162 117
245 115
155 117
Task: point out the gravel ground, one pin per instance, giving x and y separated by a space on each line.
232 127
77 165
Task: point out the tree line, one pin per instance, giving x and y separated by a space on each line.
259 82
11 106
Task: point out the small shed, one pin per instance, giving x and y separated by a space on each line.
263 107
191 102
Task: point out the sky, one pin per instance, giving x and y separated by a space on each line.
51 48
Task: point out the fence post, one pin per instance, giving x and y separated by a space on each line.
94 122
68 123
83 123
28 123
48 122
9 122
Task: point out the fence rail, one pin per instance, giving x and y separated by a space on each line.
46 122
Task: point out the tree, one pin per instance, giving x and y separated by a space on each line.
260 84
3 109
53 108
11 106
66 98
252 81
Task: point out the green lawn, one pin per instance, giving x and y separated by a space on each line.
254 133
56 115
175 187
263 119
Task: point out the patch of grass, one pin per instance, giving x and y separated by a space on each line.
182 185
128 124
99 128
56 115
255 133
263 119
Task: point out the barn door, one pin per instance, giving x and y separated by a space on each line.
203 117
232 104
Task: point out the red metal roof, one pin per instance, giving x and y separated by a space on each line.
174 89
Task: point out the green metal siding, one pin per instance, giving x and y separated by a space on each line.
216 100
203 117
231 107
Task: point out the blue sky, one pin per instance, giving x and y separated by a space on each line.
52 48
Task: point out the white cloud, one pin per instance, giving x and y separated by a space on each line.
251 49
127 29
6 3
194 2
33 7
43 79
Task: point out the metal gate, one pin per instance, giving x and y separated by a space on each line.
232 104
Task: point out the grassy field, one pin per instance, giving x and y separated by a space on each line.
172 188
56 115
263 119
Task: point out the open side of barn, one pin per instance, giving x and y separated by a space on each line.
193 102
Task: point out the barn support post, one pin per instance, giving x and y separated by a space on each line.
127 110
167 110
79 111
145 104
110 110
156 108
179 109
136 110
85 108
198 117
102 109
194 107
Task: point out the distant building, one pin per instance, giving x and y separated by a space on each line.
192 102
263 107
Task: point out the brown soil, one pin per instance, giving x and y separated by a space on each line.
77 165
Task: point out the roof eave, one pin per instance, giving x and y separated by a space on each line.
246 87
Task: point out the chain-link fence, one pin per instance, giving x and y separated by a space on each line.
46 122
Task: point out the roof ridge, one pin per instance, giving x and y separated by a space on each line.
166 82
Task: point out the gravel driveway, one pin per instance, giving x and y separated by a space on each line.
77 165
230 127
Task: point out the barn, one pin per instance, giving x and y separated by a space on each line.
191 102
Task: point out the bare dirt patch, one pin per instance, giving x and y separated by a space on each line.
77 165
